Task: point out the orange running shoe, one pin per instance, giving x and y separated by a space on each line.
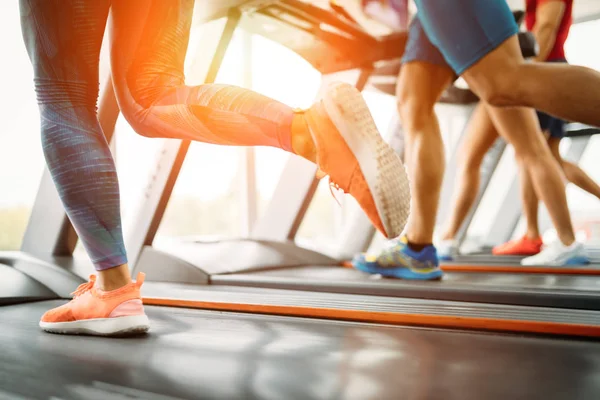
354 155
96 312
519 247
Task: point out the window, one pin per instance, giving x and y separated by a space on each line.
209 197
288 78
205 201
21 157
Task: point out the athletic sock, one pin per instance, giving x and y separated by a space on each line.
417 246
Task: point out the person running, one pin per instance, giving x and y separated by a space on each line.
550 22
149 41
477 40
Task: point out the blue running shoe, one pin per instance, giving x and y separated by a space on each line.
399 261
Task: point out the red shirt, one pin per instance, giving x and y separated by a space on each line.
558 51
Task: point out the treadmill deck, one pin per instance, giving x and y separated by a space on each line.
545 290
195 354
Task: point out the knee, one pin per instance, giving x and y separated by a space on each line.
502 88
470 164
137 96
56 95
136 114
416 112
136 117
532 154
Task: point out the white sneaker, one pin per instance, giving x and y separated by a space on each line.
446 249
557 254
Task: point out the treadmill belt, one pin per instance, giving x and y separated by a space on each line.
563 291
588 270
192 354
377 309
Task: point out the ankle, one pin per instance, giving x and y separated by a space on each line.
532 235
418 244
446 237
113 278
567 239
302 142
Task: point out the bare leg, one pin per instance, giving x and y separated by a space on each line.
419 87
520 127
480 136
503 78
530 202
573 173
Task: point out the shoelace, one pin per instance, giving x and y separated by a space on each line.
333 185
84 287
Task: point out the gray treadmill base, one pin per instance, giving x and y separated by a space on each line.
21 276
16 287
196 262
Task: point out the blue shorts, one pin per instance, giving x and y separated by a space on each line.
458 33
553 125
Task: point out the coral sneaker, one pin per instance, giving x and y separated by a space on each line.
519 247
96 312
358 161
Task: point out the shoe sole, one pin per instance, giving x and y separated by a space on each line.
118 326
515 254
399 272
569 261
382 168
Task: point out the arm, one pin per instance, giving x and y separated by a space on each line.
548 17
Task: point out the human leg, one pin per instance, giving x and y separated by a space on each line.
530 243
490 60
530 202
503 78
573 172
149 44
479 138
521 129
63 39
419 87
423 78
481 28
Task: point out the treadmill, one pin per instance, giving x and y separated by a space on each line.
507 217
270 258
268 342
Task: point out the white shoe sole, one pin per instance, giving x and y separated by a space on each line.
381 166
117 326
577 257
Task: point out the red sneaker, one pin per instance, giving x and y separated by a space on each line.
519 247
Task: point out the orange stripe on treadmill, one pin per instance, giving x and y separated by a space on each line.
439 321
520 270
510 270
